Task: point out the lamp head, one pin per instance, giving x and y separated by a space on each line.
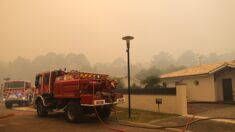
128 38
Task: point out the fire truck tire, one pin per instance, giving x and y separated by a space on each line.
74 112
8 105
41 110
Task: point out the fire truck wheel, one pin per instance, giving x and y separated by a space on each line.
41 110
8 105
74 112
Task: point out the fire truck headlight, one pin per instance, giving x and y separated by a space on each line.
24 98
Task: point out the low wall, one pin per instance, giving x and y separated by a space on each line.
173 104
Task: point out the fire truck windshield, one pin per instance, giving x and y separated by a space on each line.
14 85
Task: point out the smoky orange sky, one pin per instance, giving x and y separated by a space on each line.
29 28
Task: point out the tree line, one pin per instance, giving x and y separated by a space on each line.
160 63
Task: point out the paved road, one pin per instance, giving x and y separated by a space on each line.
27 121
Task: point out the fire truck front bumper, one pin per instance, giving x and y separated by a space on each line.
103 102
15 100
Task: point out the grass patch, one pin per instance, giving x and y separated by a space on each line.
141 116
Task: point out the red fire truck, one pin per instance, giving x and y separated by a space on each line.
17 92
77 93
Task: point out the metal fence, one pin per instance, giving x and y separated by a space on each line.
152 91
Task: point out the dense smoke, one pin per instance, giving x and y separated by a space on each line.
162 62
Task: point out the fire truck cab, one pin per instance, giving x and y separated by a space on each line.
17 92
77 93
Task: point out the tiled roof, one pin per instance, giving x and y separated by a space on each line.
198 70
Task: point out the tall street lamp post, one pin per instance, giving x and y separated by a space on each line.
128 38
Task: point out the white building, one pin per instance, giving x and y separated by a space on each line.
208 83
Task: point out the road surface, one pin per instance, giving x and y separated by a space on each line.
26 120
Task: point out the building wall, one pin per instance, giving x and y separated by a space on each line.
224 74
203 91
147 102
173 104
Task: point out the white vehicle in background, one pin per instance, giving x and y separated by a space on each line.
17 92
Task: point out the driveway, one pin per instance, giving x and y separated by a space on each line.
212 110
